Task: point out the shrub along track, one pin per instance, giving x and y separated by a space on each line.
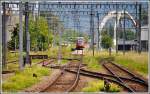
65 82
135 84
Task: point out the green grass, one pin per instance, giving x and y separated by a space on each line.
140 62
15 66
134 61
34 61
131 60
24 79
97 86
53 52
93 62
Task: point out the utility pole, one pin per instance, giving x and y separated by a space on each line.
60 39
27 31
124 34
116 29
1 36
139 29
20 37
4 42
92 28
149 42
136 26
98 45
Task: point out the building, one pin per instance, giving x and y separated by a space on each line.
129 45
144 37
133 44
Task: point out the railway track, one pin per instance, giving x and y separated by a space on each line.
117 74
135 84
65 82
111 78
108 77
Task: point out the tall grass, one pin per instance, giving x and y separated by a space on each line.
134 61
93 62
24 79
131 60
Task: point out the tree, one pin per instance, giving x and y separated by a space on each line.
13 43
40 34
107 41
129 35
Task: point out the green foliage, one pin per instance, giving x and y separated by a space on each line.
140 62
24 79
106 41
14 38
108 31
129 35
92 62
96 86
40 35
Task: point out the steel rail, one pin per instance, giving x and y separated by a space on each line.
100 77
112 76
118 78
76 79
123 69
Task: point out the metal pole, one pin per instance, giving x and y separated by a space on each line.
149 42
124 35
136 26
20 37
4 36
116 29
139 28
60 40
27 30
98 45
92 28
0 38
59 50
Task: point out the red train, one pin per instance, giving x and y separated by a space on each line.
80 43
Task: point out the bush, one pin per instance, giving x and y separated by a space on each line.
106 41
96 86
